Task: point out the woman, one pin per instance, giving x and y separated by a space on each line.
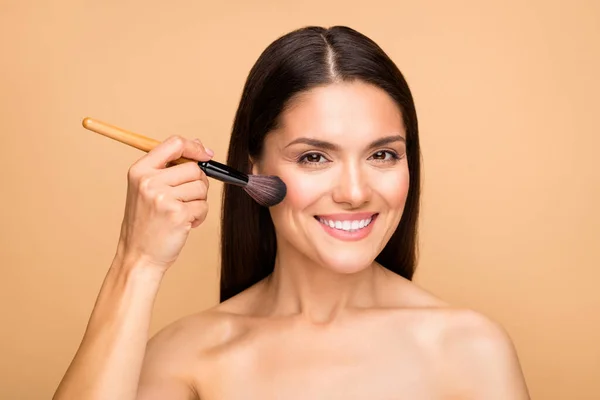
317 298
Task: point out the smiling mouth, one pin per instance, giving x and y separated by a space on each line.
347 225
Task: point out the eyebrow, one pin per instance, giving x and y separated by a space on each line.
333 147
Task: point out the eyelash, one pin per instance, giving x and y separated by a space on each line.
394 157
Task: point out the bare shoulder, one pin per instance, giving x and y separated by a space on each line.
473 333
174 354
480 357
180 349
475 353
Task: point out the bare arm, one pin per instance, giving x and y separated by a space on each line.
163 205
108 362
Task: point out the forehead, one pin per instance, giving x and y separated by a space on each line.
341 112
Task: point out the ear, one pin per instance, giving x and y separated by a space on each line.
254 167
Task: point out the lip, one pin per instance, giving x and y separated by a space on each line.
345 235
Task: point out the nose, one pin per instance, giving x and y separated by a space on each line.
352 186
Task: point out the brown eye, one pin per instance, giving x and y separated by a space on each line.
387 156
312 158
380 155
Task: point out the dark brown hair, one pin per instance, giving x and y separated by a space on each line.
294 63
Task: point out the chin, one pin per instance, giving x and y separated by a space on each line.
347 262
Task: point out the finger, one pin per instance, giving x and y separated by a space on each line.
198 209
180 174
174 148
190 191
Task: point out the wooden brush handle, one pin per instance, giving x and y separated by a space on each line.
132 139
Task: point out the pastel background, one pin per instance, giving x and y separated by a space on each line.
507 96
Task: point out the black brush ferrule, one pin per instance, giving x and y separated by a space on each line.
223 173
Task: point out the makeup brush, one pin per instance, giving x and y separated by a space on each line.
265 190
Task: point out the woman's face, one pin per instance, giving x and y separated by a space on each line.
341 150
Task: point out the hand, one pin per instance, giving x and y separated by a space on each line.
163 203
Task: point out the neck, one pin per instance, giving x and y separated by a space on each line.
302 287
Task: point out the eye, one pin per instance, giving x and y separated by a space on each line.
312 158
386 156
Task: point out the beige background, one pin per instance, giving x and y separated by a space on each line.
507 95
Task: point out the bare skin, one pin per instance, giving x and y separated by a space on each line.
405 344
329 322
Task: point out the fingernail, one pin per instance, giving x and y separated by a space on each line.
209 151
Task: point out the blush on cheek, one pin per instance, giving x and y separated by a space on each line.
304 189
393 188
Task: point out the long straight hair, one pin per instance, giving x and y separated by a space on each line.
295 63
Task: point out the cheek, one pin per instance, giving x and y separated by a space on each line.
303 189
393 188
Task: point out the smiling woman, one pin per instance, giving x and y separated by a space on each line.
332 93
316 294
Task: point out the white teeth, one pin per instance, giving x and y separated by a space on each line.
349 226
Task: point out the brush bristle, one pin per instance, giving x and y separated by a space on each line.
266 190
